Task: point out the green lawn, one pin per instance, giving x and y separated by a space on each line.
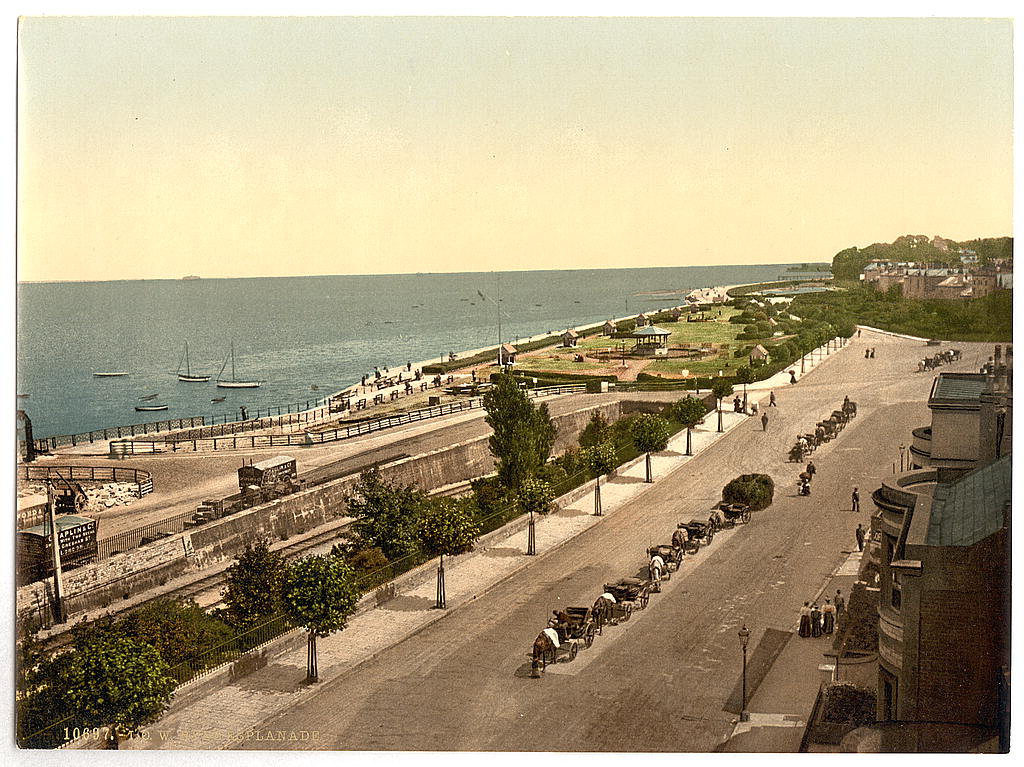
691 334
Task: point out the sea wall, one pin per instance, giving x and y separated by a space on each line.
102 584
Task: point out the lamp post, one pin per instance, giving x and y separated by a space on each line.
531 538
744 635
902 448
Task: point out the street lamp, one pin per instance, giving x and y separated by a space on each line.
744 635
902 448
531 538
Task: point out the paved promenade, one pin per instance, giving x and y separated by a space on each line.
461 680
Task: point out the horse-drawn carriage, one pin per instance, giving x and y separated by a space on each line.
635 591
699 531
609 610
582 625
549 647
734 514
671 555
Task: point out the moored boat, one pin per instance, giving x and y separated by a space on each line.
188 375
234 383
146 408
117 374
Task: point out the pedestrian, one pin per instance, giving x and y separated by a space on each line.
245 413
872 352
859 532
805 620
408 366
815 620
771 400
792 376
858 332
753 408
867 354
811 469
828 617
736 406
840 604
856 500
764 422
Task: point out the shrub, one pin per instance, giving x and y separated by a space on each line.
754 490
367 560
860 626
846 703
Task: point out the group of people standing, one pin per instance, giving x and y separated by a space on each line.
818 621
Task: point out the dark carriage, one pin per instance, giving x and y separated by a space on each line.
672 556
850 408
583 625
700 531
635 591
735 513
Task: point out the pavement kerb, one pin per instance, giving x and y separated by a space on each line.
891 333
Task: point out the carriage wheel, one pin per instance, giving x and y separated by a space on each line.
573 649
746 516
643 599
588 636
711 534
627 611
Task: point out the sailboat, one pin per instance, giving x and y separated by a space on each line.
187 375
233 383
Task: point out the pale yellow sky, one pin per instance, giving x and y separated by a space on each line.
159 147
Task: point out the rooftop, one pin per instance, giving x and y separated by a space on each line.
651 331
957 389
972 508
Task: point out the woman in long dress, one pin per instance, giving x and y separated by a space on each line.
805 620
828 617
815 620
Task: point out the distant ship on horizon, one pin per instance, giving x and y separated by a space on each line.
191 277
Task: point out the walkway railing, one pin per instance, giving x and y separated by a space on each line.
210 443
142 479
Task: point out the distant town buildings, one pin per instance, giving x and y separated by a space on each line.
969 279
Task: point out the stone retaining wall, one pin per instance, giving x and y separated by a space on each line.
98 585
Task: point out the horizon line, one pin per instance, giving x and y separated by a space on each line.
200 278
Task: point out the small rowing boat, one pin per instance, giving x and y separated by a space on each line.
109 375
148 397
147 408
218 399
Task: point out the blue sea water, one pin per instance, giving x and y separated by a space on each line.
294 333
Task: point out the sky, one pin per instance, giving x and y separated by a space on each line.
234 147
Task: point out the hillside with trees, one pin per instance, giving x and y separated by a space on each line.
848 264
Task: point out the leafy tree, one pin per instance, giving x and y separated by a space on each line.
721 389
689 411
447 527
253 591
650 434
117 682
535 496
744 375
385 515
595 431
181 631
320 593
40 700
600 459
523 434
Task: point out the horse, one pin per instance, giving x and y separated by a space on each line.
655 569
544 646
602 610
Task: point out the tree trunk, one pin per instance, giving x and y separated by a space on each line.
311 670
441 601
649 477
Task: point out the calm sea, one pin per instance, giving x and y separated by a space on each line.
294 333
